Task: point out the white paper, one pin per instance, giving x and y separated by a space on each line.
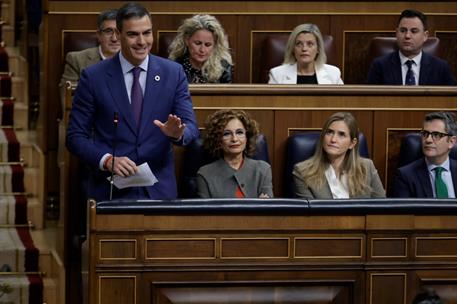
144 177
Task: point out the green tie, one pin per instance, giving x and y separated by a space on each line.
440 186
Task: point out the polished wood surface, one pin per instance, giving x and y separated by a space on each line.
279 257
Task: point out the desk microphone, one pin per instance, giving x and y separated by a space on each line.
115 121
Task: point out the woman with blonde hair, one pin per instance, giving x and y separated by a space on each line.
201 47
304 60
336 170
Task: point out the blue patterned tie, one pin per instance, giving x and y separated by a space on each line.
136 95
410 79
441 188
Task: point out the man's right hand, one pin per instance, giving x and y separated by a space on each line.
123 166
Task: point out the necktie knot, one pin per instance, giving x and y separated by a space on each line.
438 170
440 185
136 72
409 63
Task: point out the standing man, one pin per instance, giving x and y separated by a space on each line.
410 65
434 175
150 98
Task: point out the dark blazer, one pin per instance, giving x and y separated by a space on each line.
387 70
91 133
413 180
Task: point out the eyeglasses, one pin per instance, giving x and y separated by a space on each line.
228 135
109 32
435 135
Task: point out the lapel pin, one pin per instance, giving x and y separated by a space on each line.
157 78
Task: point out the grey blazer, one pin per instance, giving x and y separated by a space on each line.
75 62
303 190
219 180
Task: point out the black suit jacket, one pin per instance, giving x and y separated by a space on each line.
413 181
387 70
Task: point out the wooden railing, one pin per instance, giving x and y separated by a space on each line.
272 251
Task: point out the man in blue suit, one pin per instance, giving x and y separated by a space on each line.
434 175
149 98
410 65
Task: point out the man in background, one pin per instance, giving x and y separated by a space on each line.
434 175
410 65
109 45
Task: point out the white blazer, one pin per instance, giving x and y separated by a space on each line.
287 74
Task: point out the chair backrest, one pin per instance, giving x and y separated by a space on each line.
78 41
164 41
380 46
274 47
197 157
411 149
300 147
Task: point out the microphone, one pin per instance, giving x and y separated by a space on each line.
115 121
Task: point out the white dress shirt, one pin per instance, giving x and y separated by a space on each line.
416 66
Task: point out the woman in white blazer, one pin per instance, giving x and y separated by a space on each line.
304 60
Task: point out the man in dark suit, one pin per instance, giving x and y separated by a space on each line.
410 65
434 175
151 98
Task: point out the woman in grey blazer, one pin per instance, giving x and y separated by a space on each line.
231 136
304 60
336 170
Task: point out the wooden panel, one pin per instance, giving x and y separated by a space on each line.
180 248
238 248
445 247
248 293
329 247
387 288
117 289
388 247
356 63
117 249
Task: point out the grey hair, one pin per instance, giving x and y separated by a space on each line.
448 118
213 67
106 15
289 57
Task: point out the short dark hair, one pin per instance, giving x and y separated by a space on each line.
129 11
427 297
448 119
106 15
410 13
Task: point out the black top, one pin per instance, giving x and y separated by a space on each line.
307 79
195 76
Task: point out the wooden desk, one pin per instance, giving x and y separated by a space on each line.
284 251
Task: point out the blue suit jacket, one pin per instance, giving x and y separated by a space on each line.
387 70
413 181
91 133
